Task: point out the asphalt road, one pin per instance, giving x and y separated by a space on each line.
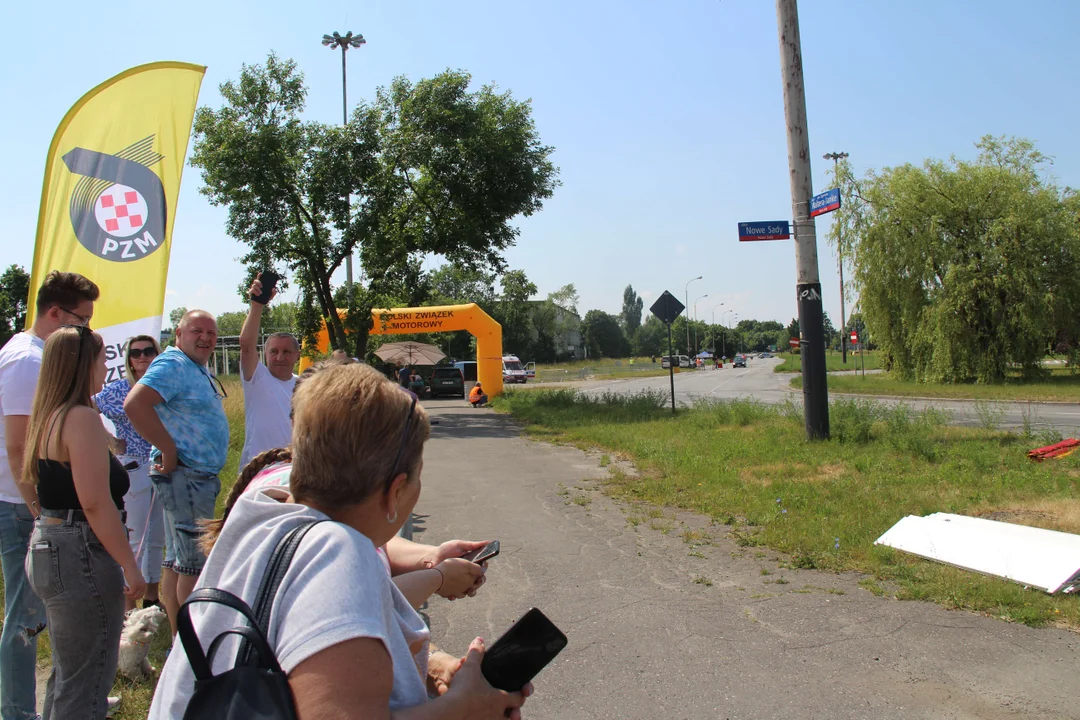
759 381
660 627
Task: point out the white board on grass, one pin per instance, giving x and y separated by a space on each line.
1045 559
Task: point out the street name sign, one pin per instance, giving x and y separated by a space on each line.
825 202
666 308
767 230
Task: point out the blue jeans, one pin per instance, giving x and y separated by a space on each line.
24 615
188 496
82 587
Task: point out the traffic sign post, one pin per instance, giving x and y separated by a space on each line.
854 337
666 308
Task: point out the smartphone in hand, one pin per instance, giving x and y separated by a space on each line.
269 280
483 554
522 652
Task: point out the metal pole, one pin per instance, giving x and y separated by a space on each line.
836 157
808 284
671 367
686 295
345 121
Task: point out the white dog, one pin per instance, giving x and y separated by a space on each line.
139 629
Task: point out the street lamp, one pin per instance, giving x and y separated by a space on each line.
836 157
346 41
713 324
724 325
686 295
696 348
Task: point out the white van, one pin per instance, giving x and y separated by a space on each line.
513 371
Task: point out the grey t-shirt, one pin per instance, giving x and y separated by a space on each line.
336 589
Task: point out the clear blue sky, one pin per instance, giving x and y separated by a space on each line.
667 118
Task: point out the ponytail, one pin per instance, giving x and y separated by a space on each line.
212 528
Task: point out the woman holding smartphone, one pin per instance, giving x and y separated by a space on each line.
145 516
80 563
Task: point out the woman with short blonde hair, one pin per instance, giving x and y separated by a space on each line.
348 639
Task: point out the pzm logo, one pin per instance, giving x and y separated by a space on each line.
118 208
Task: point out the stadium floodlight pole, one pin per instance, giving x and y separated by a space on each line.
346 41
807 282
836 157
686 294
696 348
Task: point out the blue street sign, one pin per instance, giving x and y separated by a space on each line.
769 230
825 202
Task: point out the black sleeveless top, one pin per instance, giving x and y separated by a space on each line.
56 486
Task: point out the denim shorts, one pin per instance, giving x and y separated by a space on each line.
187 496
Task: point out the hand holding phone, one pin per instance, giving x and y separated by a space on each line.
483 554
522 652
269 280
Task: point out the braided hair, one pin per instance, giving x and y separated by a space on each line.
212 528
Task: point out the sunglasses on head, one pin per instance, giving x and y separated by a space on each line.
404 441
147 352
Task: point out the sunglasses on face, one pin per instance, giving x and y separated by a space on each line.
147 352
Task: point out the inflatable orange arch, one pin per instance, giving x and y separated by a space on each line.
440 318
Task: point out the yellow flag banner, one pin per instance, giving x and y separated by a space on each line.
109 199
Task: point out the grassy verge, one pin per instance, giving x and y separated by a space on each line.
747 465
834 362
598 369
1060 385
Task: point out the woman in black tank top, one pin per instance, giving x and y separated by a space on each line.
80 487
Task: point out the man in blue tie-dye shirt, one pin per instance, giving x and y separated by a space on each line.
176 405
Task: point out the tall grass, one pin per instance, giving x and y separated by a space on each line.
824 502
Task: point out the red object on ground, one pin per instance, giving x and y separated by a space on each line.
1061 449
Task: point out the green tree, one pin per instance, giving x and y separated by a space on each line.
792 329
14 296
176 315
515 313
650 339
429 168
603 335
230 323
964 269
631 311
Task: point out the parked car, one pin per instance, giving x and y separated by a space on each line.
740 361
467 369
447 380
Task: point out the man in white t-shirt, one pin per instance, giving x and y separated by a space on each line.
63 299
267 388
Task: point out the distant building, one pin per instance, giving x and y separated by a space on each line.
566 340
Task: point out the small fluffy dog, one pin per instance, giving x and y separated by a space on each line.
139 629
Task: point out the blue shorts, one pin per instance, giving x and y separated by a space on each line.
187 496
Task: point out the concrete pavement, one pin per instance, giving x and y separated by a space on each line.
660 627
759 381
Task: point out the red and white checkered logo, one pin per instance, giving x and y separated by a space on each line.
120 211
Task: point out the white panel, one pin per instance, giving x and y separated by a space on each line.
1046 559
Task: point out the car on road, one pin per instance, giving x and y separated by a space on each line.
740 361
682 361
468 369
513 371
446 380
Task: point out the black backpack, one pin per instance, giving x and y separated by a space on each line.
256 686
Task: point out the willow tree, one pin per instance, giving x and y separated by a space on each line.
963 269
430 168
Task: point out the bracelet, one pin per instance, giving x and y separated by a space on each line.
442 578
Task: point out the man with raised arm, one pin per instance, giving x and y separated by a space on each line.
267 388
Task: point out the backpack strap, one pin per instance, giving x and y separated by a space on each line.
275 572
200 661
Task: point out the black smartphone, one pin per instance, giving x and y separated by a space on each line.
483 554
269 280
522 652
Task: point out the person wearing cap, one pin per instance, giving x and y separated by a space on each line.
477 397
